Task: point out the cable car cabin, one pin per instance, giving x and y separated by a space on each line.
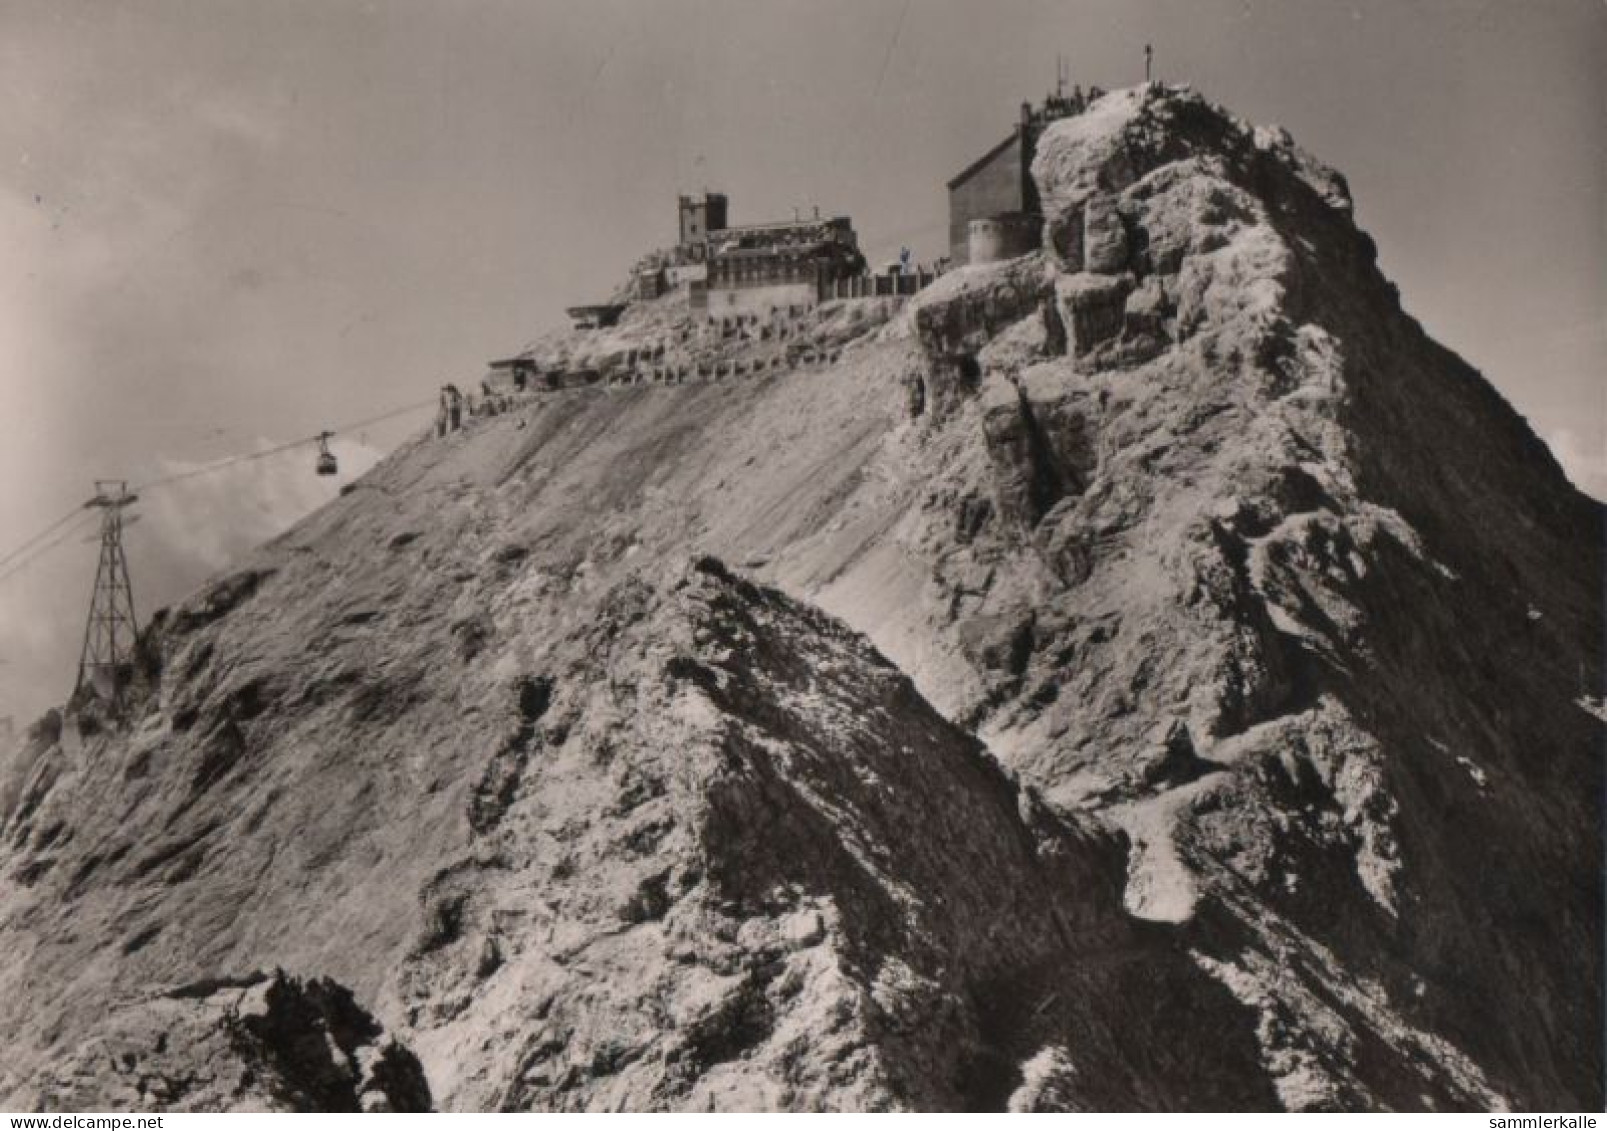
327 464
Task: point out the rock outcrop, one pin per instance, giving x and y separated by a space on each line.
255 1043
1146 673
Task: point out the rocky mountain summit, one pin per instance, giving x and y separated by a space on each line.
1146 673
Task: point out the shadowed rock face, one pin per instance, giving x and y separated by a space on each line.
1273 618
256 1043
725 855
744 913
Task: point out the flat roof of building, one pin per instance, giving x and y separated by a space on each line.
782 225
778 251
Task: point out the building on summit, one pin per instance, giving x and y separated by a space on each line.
762 267
757 268
994 212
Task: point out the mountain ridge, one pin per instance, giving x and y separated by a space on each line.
1275 611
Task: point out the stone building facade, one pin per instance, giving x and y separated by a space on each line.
1003 236
758 268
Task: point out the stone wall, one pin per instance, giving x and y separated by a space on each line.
879 286
759 298
1003 237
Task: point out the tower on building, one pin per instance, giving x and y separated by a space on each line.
700 215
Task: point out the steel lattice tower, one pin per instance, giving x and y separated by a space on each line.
110 633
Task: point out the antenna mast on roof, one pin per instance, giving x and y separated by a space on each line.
1062 73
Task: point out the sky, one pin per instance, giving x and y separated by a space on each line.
229 224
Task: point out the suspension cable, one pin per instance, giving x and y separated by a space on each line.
248 457
37 546
46 532
24 561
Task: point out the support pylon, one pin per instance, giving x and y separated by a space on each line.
105 663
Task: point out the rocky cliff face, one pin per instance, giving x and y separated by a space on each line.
1146 673
252 1043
